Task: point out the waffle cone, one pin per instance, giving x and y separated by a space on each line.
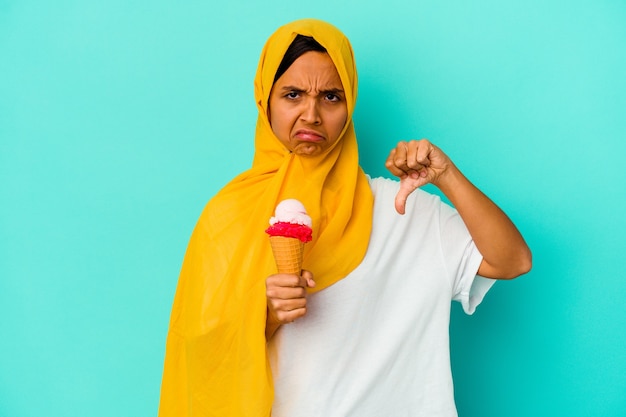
287 254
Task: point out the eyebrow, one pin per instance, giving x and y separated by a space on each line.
333 90
324 91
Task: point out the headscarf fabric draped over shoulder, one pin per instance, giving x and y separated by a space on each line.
216 362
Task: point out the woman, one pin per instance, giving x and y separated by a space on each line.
370 312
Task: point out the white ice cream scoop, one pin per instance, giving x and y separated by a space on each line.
291 211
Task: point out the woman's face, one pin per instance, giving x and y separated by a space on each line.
307 108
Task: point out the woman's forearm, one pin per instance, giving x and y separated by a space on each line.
505 253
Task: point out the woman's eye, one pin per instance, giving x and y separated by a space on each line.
292 94
332 97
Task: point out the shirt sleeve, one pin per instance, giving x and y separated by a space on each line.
462 260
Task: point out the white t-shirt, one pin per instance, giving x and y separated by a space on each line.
376 343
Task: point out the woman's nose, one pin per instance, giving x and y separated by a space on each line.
310 113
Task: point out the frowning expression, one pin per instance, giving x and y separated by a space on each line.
307 107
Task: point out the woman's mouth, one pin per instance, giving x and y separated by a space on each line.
306 135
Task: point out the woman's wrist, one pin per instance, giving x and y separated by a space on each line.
271 325
450 181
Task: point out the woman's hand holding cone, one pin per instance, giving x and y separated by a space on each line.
286 298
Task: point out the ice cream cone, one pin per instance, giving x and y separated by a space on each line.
287 254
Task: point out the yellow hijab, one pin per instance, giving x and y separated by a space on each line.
216 362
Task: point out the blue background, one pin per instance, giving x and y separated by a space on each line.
120 119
